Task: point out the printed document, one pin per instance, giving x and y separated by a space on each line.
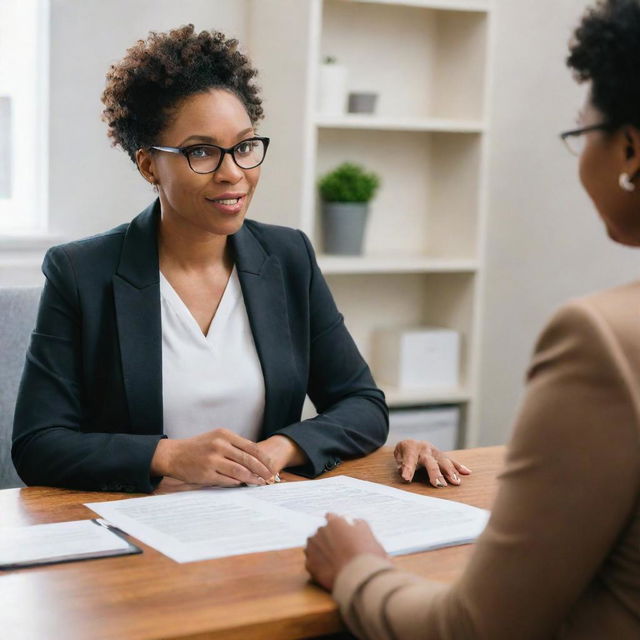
215 522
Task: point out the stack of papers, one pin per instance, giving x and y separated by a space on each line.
60 542
212 523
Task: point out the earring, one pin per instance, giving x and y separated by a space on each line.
625 183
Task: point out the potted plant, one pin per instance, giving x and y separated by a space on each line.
346 192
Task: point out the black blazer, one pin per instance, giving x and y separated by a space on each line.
89 409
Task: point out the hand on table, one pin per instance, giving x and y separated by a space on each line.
410 455
283 452
216 458
335 544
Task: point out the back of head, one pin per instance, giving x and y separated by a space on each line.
605 51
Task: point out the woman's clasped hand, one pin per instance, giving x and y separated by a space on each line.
223 458
219 457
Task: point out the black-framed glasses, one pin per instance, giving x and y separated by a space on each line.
207 158
574 139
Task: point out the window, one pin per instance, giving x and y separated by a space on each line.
24 53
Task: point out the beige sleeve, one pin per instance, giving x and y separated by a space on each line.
571 478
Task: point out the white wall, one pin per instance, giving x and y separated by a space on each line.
545 242
92 185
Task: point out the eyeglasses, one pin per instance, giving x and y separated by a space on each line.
207 158
575 140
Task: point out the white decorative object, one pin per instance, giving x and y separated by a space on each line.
332 88
422 357
439 425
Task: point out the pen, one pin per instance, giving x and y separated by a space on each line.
103 523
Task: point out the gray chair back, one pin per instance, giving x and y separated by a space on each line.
18 309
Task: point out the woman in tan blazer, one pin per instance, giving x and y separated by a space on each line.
560 556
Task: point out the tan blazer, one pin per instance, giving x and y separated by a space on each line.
560 557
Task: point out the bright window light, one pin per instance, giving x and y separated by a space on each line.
24 54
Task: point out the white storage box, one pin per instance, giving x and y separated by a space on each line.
423 357
439 425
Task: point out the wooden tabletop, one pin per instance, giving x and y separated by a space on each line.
149 596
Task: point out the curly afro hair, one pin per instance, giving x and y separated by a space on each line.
606 51
145 87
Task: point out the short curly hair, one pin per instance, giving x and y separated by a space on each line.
605 50
156 74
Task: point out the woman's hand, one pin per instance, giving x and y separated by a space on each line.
335 544
283 452
216 458
410 455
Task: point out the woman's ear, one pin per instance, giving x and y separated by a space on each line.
631 151
145 163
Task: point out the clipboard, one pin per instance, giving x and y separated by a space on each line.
45 544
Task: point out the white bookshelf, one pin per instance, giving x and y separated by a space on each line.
423 257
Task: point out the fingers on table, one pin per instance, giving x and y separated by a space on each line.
407 460
448 469
465 471
428 460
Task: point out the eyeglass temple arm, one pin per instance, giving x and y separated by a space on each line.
169 149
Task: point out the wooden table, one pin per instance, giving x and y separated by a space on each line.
257 596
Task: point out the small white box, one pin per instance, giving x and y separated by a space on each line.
439 425
422 357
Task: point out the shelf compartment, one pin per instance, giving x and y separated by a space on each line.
431 61
372 302
428 201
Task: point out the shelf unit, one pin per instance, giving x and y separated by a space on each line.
423 257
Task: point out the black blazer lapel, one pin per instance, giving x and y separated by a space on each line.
136 289
263 290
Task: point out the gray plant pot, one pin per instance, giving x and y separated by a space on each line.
343 227
362 102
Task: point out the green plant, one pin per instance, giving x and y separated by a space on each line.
348 183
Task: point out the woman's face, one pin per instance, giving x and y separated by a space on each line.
605 156
217 202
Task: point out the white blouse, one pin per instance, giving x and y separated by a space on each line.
210 381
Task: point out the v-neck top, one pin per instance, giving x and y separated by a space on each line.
213 380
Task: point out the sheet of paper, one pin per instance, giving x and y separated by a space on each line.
404 522
59 541
212 523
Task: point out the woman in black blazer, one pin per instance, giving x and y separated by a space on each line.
90 409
